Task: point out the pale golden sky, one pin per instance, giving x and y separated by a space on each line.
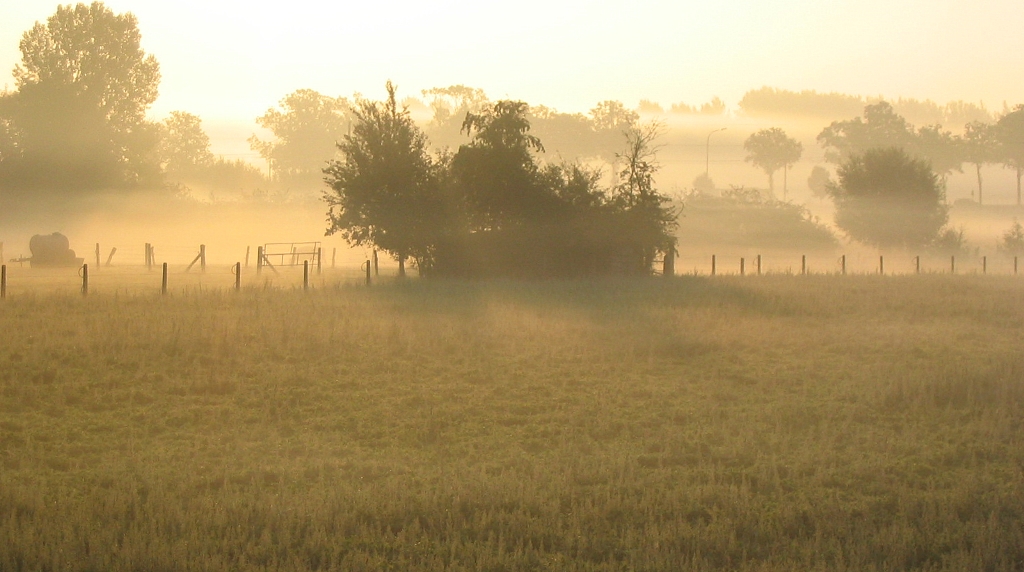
232 60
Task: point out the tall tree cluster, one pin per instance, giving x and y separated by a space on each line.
493 208
77 119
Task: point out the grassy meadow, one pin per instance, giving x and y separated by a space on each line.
758 423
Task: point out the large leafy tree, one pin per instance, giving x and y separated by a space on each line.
771 150
1009 135
78 115
888 198
184 146
881 126
384 188
941 148
979 148
307 128
496 172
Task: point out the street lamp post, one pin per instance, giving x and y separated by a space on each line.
707 150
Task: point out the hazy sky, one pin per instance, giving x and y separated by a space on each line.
233 60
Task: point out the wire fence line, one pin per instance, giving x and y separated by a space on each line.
312 268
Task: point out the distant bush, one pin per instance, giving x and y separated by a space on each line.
742 217
1013 240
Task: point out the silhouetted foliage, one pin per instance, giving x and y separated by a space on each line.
307 129
880 127
979 148
886 197
1013 240
703 184
818 182
941 148
384 189
492 209
1009 135
184 146
77 120
772 102
771 150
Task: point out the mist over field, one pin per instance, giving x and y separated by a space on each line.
569 286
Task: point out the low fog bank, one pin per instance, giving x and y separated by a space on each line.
174 226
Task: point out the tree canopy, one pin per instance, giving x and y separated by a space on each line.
1009 135
771 150
77 119
384 189
493 208
307 128
888 198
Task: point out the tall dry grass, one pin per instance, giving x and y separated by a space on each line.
772 423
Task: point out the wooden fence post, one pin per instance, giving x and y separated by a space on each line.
202 258
712 264
758 264
668 267
149 260
163 283
742 269
334 253
952 264
238 276
111 255
376 267
85 279
305 275
319 260
367 272
246 256
881 265
3 280
97 255
259 260
917 264
803 264
984 265
843 259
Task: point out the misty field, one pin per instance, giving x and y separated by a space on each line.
758 423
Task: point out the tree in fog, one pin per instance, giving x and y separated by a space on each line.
888 198
1012 242
703 184
771 150
496 172
184 146
383 189
979 148
611 120
307 129
449 106
818 182
880 127
1009 135
650 221
78 115
941 148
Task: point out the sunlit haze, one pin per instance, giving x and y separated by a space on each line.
225 60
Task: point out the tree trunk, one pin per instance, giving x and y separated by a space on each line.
977 167
401 266
785 182
1019 173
